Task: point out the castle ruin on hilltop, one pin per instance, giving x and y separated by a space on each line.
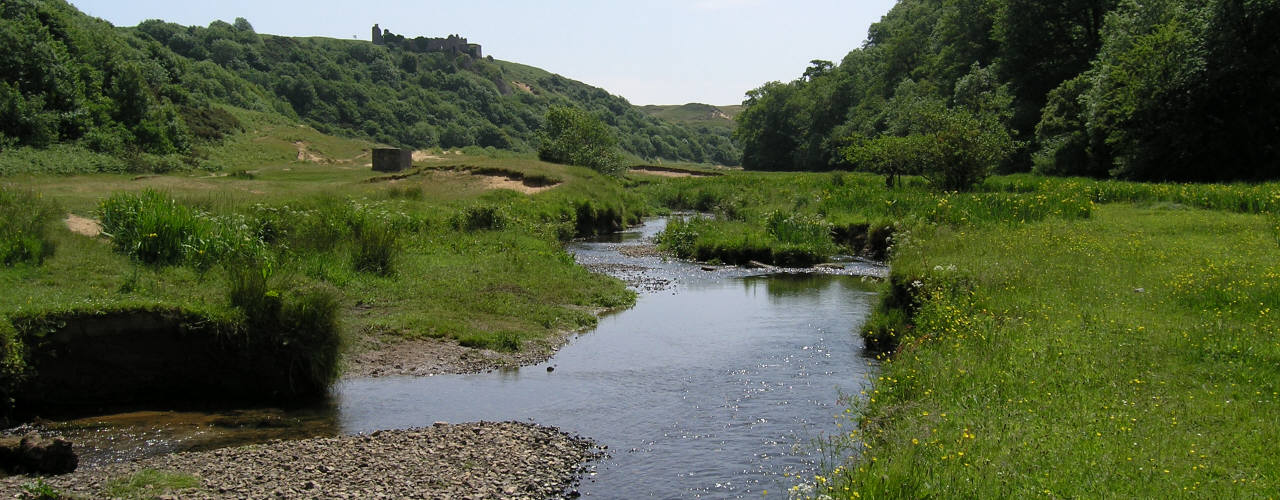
454 43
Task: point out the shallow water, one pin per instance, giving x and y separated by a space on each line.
716 384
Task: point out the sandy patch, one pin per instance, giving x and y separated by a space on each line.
659 173
420 155
386 355
307 156
83 225
522 86
500 182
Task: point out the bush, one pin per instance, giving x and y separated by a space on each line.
480 217
25 218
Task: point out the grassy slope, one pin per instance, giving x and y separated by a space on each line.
694 114
1130 355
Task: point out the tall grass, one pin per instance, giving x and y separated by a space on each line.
292 330
800 219
25 220
1242 198
153 228
374 246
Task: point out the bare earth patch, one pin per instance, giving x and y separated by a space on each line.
522 86
83 225
421 155
500 182
489 181
664 172
307 156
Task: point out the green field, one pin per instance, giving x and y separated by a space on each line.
457 248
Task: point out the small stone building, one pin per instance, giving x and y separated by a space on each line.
391 159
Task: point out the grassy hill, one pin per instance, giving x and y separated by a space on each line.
159 95
695 114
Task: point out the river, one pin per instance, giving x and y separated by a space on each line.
719 383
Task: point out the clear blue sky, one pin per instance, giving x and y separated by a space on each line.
650 52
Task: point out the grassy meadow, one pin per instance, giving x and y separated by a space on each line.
295 233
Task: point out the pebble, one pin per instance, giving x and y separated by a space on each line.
471 460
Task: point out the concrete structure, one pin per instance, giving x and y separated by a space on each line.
391 159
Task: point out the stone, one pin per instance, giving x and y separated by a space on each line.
35 453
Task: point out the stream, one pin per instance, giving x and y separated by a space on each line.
720 382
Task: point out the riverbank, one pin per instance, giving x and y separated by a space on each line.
1129 355
474 460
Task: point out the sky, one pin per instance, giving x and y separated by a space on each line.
650 52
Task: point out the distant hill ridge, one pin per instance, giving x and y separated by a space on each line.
159 89
695 114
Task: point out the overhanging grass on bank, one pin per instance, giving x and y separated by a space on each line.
1130 355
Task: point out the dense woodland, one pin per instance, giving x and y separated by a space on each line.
1185 90
161 89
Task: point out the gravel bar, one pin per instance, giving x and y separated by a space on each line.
465 461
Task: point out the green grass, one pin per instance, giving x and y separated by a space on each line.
149 484
1133 354
805 218
317 255
25 220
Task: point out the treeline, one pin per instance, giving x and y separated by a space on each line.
153 89
1181 90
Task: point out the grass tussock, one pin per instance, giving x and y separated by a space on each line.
25 222
149 483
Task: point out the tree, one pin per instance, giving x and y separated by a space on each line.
894 156
573 137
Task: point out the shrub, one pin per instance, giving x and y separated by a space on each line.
25 218
480 217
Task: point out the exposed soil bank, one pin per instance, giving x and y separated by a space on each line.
476 460
669 171
85 362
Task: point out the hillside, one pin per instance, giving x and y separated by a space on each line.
695 114
158 93
1176 90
